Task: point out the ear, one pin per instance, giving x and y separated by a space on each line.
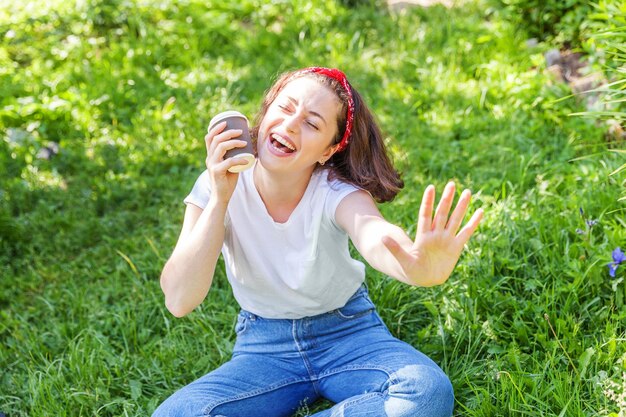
328 154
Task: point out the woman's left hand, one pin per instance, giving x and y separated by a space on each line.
438 242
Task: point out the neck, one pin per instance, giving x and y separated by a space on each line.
280 192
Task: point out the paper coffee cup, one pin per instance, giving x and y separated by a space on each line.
236 120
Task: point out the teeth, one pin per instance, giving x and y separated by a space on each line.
283 141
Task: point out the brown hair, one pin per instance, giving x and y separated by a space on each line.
365 162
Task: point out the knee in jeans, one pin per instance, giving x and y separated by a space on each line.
182 404
419 388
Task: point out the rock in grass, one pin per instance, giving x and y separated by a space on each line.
553 57
532 43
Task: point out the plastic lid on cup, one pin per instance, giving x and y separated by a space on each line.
224 115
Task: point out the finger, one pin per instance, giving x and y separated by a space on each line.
396 250
227 145
424 220
221 138
217 128
220 149
227 135
227 164
212 132
467 231
459 212
443 208
217 136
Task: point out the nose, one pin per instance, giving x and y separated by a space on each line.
291 123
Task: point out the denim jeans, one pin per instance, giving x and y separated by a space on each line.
346 356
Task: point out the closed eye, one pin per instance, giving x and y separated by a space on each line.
287 109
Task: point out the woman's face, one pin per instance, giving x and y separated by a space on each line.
298 128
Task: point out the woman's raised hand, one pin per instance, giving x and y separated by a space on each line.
438 242
218 142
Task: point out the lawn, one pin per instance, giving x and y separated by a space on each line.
103 109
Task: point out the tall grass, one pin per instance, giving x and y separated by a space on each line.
606 41
530 323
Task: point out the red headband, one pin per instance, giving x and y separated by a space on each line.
338 75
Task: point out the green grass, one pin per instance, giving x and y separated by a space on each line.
529 324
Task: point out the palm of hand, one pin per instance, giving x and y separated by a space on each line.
437 246
433 255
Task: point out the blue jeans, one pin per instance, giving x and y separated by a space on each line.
346 356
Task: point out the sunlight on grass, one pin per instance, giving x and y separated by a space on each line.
103 109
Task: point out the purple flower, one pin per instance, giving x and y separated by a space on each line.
618 258
580 231
588 222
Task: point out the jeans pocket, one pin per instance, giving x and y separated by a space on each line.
355 308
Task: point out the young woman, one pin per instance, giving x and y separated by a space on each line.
307 327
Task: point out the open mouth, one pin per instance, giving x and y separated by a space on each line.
282 144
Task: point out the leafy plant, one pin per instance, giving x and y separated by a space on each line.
562 21
605 41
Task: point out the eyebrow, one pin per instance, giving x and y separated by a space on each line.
294 101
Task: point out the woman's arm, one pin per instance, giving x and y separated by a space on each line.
425 261
188 273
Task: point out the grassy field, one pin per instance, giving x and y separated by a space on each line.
103 107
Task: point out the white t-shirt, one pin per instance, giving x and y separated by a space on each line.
286 270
